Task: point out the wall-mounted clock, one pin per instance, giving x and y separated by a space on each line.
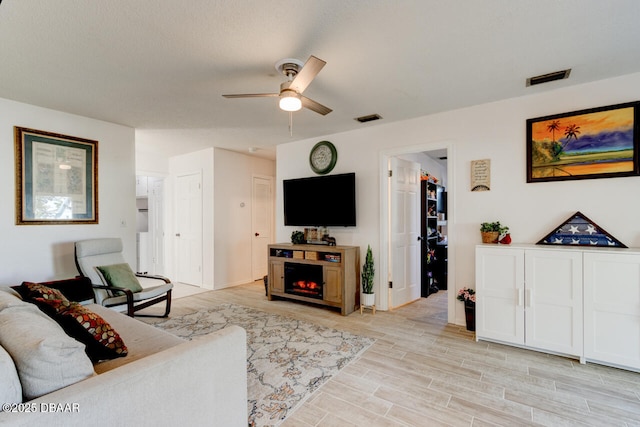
323 157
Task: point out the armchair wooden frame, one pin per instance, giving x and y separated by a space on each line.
131 307
89 254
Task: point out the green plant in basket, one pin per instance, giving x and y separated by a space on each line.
488 227
492 231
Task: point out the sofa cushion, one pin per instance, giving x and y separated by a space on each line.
119 275
10 298
142 339
10 389
46 358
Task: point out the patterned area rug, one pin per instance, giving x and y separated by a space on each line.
287 359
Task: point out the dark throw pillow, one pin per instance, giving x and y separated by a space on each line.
101 340
29 291
75 289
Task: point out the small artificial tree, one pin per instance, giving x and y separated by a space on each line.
368 271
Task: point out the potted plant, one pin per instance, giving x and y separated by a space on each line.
368 271
490 231
468 296
297 237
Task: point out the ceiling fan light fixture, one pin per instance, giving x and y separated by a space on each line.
290 101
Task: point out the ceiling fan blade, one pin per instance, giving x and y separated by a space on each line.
315 106
309 71
251 95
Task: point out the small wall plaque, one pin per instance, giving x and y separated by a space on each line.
481 175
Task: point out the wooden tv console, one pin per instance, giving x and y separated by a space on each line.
340 266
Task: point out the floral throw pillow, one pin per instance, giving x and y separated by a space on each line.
101 340
30 290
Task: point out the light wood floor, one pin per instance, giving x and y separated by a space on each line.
424 372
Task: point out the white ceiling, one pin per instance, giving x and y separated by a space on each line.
162 66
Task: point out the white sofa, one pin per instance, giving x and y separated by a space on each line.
164 380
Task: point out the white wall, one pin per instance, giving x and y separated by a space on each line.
495 131
44 252
202 162
233 207
149 161
226 185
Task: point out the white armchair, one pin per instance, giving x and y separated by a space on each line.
93 253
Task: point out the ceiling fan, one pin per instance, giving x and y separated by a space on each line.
299 76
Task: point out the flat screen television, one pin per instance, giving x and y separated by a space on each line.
320 201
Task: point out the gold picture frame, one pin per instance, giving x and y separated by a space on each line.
56 178
599 142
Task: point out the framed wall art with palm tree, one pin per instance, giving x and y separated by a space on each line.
594 143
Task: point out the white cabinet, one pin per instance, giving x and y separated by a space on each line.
612 305
576 301
500 290
142 186
553 301
530 297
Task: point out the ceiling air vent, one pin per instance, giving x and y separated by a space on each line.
546 78
369 118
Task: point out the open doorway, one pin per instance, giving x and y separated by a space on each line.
434 243
150 233
434 159
150 225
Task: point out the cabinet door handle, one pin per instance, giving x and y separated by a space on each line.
520 296
529 297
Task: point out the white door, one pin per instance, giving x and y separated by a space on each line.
500 294
553 301
189 228
404 189
261 224
156 226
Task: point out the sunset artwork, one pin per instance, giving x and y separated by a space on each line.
594 143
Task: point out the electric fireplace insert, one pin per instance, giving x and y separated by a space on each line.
303 279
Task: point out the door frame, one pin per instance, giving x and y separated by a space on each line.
176 245
164 178
156 240
411 289
271 180
385 214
